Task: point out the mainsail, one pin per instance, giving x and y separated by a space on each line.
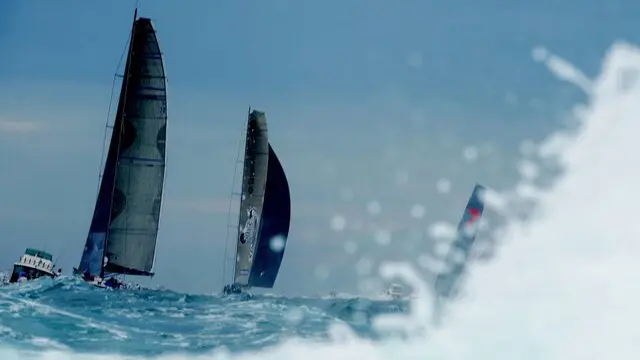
265 210
123 232
456 260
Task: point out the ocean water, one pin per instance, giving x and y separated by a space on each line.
565 284
66 313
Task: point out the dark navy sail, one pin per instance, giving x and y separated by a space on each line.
123 232
274 226
456 259
265 212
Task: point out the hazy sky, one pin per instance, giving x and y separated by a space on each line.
366 101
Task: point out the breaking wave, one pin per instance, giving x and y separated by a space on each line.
563 285
73 315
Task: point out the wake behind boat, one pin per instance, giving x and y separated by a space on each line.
124 229
265 212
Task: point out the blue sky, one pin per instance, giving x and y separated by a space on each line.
356 97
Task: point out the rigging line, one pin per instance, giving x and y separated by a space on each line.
109 112
233 184
106 130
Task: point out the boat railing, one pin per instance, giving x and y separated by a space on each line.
36 262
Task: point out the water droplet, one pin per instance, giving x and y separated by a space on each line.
539 53
494 200
374 207
443 186
470 153
277 243
442 230
441 248
525 190
383 237
338 223
528 169
350 247
418 211
436 266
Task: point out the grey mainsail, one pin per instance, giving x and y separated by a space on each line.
254 181
265 210
123 233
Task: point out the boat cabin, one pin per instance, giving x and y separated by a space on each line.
395 291
32 265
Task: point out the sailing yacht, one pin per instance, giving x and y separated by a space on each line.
265 212
124 228
447 283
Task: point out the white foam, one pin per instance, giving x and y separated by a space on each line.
566 289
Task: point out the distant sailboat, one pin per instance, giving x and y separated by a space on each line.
447 282
123 232
265 212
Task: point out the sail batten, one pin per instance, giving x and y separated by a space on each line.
123 233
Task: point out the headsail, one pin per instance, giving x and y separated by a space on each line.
274 226
456 259
265 210
123 232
